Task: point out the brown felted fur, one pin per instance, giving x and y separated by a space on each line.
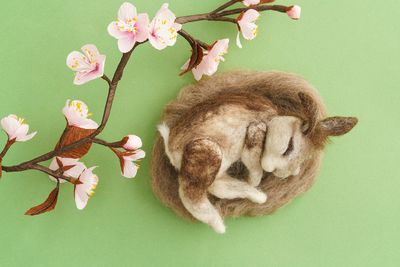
197 178
282 90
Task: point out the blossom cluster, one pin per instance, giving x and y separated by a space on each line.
79 125
130 28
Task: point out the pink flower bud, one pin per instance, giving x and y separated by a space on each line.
294 12
131 142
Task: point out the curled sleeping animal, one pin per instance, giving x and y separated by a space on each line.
241 125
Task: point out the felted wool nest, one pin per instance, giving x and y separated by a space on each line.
280 88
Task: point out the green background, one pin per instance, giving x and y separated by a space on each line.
348 49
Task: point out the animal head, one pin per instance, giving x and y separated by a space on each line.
291 140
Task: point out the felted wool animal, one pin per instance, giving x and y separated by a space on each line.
273 123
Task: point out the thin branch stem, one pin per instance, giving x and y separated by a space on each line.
217 16
224 6
278 8
105 77
55 174
6 148
191 39
225 19
105 143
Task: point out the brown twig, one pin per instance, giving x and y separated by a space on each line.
224 6
55 174
193 40
278 8
105 143
105 77
225 19
6 148
218 16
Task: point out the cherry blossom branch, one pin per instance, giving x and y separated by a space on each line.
212 16
81 132
106 114
215 15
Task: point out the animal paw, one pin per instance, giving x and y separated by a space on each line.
258 197
255 178
218 225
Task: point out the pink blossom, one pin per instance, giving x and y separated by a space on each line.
294 12
129 167
76 112
85 188
247 26
75 168
88 66
163 29
16 129
131 142
251 2
129 28
210 62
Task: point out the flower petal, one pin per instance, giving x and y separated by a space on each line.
199 71
84 190
156 43
114 32
247 25
127 11
250 15
142 27
250 31
10 125
90 51
130 169
78 116
81 198
26 137
126 44
84 77
76 61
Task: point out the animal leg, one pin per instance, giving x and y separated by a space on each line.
252 151
201 162
227 187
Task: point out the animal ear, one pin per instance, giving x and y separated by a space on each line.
335 126
310 110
